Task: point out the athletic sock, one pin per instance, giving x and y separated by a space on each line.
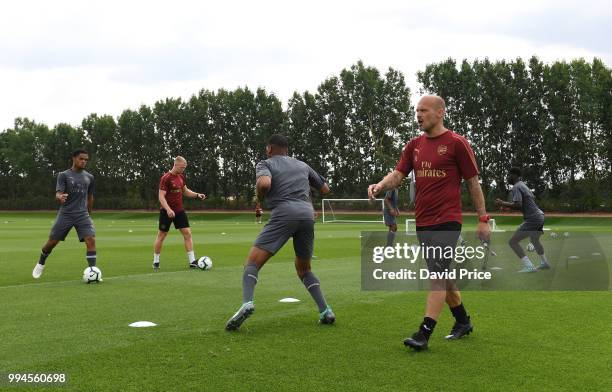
527 262
460 314
390 238
91 258
543 259
191 256
156 258
313 286
427 326
249 280
43 257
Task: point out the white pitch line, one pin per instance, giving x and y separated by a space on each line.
79 280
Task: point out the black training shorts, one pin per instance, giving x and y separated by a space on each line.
180 220
442 235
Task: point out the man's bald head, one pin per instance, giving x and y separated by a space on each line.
180 164
435 101
430 113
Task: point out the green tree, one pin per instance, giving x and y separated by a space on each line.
308 133
198 121
368 119
142 155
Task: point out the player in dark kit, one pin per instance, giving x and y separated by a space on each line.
74 191
390 213
285 183
172 187
440 159
258 212
533 221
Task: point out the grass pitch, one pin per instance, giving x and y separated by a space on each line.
540 341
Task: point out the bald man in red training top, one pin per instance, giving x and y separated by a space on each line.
440 159
172 188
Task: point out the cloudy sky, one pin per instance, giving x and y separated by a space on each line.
62 60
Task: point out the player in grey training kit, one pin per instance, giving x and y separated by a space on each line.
390 212
285 183
533 221
74 191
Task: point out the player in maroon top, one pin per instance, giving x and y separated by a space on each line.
172 188
440 159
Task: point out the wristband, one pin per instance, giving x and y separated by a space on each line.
484 218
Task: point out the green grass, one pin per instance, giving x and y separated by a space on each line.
540 341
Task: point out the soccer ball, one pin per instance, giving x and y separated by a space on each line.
92 274
204 263
530 247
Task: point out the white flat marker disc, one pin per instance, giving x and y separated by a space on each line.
496 268
289 300
142 324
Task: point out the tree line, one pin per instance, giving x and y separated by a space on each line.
554 120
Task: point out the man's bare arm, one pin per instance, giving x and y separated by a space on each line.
391 180
263 185
162 200
483 231
194 195
388 203
477 195
515 205
61 197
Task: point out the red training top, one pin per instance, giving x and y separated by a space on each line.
173 185
439 164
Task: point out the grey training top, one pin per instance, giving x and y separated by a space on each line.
392 195
289 196
77 185
530 209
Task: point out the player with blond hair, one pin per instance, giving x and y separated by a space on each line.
172 188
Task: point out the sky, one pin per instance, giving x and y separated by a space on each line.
62 60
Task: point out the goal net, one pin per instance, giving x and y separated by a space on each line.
352 210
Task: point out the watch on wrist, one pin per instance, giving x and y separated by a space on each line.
484 218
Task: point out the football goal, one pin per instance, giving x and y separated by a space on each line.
352 211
